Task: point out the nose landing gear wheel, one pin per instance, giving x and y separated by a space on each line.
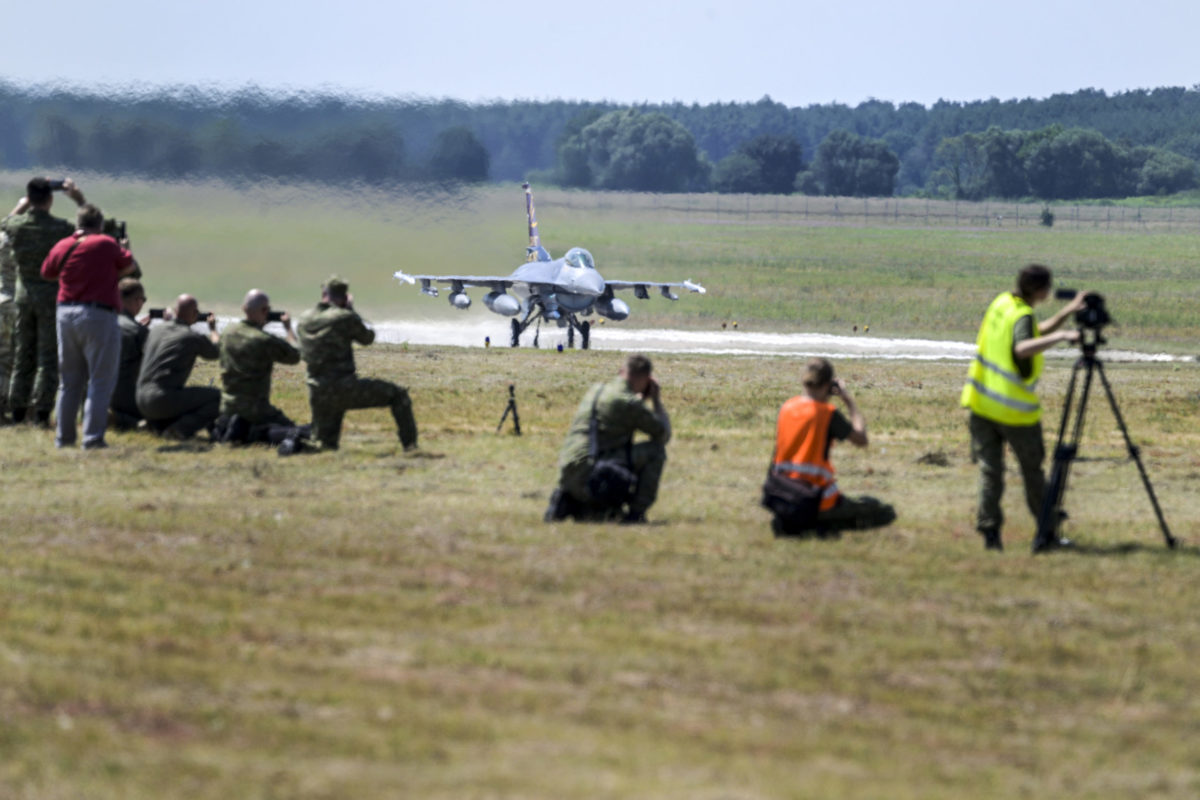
585 329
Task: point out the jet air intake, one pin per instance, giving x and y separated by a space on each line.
612 308
502 303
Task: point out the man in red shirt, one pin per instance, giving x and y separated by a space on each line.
87 265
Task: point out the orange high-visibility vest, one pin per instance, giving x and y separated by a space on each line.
801 444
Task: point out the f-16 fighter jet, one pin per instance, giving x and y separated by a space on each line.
559 290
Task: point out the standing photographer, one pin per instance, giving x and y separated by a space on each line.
87 267
31 231
1000 393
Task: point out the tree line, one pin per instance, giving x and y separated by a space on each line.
1082 144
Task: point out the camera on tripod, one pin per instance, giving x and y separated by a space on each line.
1093 315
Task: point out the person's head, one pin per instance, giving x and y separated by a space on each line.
133 295
256 306
89 219
39 193
818 378
1033 283
336 291
187 310
636 373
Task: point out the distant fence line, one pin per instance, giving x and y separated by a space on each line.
899 211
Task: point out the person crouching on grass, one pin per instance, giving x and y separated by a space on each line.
801 486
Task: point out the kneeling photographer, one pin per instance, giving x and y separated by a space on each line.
602 473
1001 393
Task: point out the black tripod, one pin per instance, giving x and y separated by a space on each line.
511 407
1064 453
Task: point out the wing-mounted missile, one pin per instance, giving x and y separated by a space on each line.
666 292
426 286
694 287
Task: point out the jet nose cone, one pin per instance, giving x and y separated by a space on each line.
588 282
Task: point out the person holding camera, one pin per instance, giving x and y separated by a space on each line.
87 267
801 488
327 334
134 331
169 406
32 231
602 432
1001 396
248 355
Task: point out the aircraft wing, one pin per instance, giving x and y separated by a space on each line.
497 283
641 288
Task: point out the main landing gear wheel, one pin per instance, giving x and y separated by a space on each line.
585 329
516 334
570 336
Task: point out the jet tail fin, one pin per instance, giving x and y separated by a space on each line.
535 251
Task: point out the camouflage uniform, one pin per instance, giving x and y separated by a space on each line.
247 356
166 403
34 377
326 335
8 314
619 414
124 399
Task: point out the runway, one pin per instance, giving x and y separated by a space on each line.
729 342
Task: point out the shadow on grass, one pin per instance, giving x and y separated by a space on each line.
185 447
1128 549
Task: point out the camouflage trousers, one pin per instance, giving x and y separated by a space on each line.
330 402
8 318
34 378
648 458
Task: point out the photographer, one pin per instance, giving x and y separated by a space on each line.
248 355
176 410
134 331
327 335
87 267
31 231
806 429
611 413
1000 393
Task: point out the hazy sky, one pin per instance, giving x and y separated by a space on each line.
799 53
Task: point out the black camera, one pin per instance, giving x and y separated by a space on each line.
57 184
1093 315
275 316
116 229
157 313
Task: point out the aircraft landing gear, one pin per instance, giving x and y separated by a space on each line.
570 336
516 334
585 330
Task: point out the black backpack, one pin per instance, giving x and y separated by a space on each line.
612 480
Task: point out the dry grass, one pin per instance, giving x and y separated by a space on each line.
186 622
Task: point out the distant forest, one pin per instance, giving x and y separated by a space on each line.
1084 144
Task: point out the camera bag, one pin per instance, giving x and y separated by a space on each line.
612 481
795 502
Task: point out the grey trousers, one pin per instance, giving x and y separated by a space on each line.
89 350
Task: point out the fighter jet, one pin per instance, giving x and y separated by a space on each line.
558 290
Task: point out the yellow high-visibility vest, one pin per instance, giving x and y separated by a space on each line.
995 389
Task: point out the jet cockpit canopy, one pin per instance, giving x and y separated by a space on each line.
579 258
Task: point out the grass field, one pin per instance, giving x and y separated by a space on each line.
180 621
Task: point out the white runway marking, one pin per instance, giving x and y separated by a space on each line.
722 342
